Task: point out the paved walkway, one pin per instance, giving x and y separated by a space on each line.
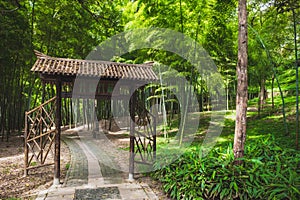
88 178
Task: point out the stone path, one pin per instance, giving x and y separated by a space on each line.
88 178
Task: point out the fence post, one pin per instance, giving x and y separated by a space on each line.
25 146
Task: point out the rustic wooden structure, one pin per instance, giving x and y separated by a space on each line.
43 124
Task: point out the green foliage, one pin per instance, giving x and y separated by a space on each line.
268 172
73 28
58 28
67 166
33 164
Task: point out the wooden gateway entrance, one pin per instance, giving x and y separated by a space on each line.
43 124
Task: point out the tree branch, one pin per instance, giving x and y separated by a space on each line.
96 17
12 10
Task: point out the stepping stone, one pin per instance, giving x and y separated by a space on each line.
97 193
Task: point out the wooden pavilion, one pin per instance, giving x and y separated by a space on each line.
43 124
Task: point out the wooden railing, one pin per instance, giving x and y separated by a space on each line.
39 135
145 138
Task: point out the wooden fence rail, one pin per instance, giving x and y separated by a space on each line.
39 135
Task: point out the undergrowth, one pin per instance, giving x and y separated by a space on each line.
268 172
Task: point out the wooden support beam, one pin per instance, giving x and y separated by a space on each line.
41 124
56 180
132 103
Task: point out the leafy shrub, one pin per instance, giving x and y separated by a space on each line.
268 172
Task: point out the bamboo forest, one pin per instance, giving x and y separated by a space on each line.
149 99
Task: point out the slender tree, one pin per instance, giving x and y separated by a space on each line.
286 6
242 84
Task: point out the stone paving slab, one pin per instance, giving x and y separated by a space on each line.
97 193
132 191
135 191
78 172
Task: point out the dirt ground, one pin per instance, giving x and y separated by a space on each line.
12 182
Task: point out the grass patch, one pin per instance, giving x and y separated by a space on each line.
67 166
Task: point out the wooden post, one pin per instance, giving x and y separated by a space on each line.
41 124
26 147
154 138
132 129
56 180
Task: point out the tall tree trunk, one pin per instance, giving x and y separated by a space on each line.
227 96
297 78
207 96
261 95
242 84
201 94
273 77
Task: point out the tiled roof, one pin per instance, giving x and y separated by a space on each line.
94 68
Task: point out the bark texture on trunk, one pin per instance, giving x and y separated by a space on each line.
242 84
